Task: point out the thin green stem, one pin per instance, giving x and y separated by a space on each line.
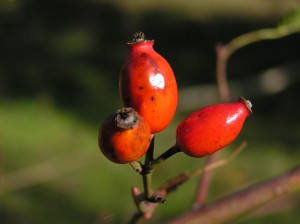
147 182
260 35
151 164
167 154
147 170
150 152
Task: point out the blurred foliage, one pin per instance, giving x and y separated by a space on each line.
59 65
293 18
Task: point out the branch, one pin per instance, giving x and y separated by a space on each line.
204 183
147 171
172 184
242 202
223 55
147 201
224 51
260 35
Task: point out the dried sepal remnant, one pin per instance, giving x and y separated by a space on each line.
137 37
127 118
124 136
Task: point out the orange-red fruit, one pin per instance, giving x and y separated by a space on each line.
124 136
212 128
147 84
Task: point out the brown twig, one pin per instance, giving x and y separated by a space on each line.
224 94
172 184
145 208
223 54
242 202
146 205
204 184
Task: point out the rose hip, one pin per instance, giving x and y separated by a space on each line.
212 128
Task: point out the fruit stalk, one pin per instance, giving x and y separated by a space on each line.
147 170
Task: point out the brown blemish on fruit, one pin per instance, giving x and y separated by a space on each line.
141 87
152 98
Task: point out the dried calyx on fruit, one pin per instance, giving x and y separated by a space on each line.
147 83
137 37
124 136
212 128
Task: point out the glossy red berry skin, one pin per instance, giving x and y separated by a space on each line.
124 136
147 84
212 128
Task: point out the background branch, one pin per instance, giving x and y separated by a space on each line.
244 201
172 184
290 25
204 183
231 209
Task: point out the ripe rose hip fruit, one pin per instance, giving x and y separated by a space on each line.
147 84
124 136
212 128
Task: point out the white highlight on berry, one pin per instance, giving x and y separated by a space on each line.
157 81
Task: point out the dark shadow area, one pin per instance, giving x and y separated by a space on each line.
71 51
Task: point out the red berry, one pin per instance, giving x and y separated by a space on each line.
147 84
212 128
124 136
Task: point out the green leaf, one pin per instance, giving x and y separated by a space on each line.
291 19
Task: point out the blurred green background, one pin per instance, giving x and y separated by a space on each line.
59 65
